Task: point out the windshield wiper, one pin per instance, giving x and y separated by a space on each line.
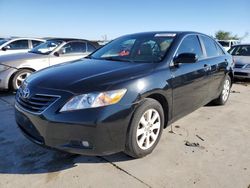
115 59
88 57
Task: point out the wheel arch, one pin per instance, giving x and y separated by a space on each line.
164 103
17 70
230 74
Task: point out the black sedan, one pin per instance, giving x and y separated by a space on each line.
122 96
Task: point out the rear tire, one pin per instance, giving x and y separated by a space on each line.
19 77
224 95
145 129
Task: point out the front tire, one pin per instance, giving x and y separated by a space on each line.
224 95
19 77
145 129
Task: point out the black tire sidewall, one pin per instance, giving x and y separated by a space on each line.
132 147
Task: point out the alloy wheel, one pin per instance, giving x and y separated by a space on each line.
148 129
226 90
20 78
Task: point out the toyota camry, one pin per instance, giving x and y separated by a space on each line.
122 96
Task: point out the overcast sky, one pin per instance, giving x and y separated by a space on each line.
95 18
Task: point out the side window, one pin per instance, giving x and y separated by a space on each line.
36 43
232 50
74 47
19 44
90 47
191 44
219 50
210 46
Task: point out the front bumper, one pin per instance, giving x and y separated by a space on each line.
104 129
241 73
5 78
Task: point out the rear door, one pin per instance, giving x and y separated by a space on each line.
189 81
69 52
217 61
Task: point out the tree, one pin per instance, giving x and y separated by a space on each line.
225 35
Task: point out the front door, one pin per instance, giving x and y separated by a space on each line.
189 81
69 52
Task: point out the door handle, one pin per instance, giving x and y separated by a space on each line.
207 67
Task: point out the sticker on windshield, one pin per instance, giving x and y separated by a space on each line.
165 35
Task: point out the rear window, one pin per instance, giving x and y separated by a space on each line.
220 51
224 43
240 50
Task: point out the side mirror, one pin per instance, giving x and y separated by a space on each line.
185 58
59 52
56 54
6 48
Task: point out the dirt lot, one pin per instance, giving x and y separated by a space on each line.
222 158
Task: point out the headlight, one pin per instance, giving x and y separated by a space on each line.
3 68
248 66
93 100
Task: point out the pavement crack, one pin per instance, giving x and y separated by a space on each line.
7 102
131 175
8 109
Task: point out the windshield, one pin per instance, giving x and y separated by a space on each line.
136 48
240 50
3 41
46 47
224 43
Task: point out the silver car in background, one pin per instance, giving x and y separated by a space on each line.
241 56
18 45
15 68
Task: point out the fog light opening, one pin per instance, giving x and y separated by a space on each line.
85 144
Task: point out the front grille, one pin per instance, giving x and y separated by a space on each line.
239 66
36 103
241 74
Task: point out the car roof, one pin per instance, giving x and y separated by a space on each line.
22 38
231 40
66 39
247 44
167 32
95 44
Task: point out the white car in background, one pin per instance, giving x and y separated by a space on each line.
227 44
241 56
18 45
15 68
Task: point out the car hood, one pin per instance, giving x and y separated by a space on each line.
242 59
8 59
87 75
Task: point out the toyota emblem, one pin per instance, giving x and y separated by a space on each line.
26 93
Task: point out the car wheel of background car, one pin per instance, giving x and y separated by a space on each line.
222 99
145 129
19 77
